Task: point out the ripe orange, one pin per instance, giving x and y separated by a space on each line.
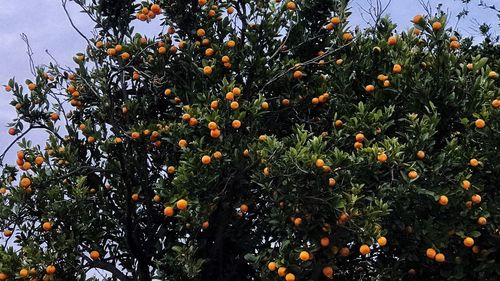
231 43
297 74
437 25
304 256
495 103
328 272
207 70
125 56
156 9
338 123
209 52
474 162
476 198
364 249
468 242
335 20
183 143
200 32
430 253
7 232
396 68
168 211
264 105
135 197
236 124
157 198
234 105
244 208
492 75
369 88
136 135
94 255
182 204
206 160
382 157
417 18
25 182
412 175
271 266
320 163
360 137
481 220
454 45
23 273
291 5
202 2
443 200
290 277
297 221
51 269
282 271
466 184
480 123
54 116
325 241
382 241
215 133
266 171
344 251
171 169
420 154
3 276
230 10
393 40
332 182
205 225
214 105
439 258
347 36
339 61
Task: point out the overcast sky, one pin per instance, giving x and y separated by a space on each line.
47 28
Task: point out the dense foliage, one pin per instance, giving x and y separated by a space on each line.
255 140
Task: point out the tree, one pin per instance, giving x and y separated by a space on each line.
256 141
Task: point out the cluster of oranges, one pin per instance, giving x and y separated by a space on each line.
147 14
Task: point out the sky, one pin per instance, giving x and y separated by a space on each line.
47 27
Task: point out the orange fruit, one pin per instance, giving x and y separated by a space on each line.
217 155
291 5
31 86
417 18
412 175
474 162
26 166
135 197
206 160
266 171
136 135
230 10
468 242
23 273
476 198
54 116
304 256
396 68
94 255
392 41
466 184
360 137
182 204
338 123
290 277
364 249
347 36
207 70
320 163
297 74
234 105
271 266
335 20
244 208
214 105
200 32
454 45
205 225
344 252
443 200
420 154
155 8
50 269
183 143
369 88
171 169
328 272
7 232
209 52
202 2
231 43
157 198
430 253
168 211
439 258
325 241
339 61
125 56
492 75
212 125
480 123
236 124
3 276
25 182
8 88
382 157
297 221
282 271
358 145
215 133
332 182
481 220
437 25
382 241
495 103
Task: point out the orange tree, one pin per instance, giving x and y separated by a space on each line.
256 140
